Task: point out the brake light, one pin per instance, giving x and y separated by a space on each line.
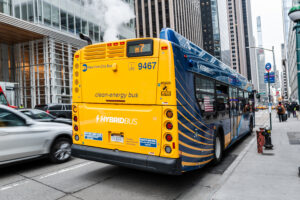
116 44
76 56
169 126
47 111
75 118
122 43
173 145
164 48
169 137
76 128
109 44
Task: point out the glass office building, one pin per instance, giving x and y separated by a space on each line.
37 41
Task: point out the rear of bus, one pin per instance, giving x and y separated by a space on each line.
124 105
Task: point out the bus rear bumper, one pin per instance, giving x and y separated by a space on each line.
132 160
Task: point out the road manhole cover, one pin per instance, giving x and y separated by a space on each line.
226 162
294 137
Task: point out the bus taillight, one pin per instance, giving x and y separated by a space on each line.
169 125
169 137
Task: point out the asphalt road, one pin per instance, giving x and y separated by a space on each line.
85 180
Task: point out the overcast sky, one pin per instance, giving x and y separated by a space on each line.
272 26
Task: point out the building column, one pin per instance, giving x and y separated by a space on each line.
297 29
32 74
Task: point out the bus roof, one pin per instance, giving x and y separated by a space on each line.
204 63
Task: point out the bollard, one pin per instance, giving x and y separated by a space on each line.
268 140
260 140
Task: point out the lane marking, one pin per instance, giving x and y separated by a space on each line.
23 182
10 186
64 170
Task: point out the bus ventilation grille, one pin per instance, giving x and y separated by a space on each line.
102 51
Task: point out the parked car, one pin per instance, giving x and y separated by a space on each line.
42 116
58 110
22 138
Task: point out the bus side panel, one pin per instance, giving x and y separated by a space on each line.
195 138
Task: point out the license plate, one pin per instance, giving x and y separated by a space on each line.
117 138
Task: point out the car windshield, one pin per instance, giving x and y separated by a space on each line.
37 114
3 99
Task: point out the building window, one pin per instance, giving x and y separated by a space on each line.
84 27
30 12
24 11
55 16
71 23
78 24
63 20
47 13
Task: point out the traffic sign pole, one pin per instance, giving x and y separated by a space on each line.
270 107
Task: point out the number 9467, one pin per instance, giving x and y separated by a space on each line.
147 65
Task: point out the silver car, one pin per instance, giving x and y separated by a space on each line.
22 138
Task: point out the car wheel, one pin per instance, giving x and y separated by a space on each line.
61 150
218 149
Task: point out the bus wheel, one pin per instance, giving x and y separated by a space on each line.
218 149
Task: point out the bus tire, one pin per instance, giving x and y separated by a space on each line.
218 148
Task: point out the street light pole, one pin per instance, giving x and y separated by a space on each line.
269 86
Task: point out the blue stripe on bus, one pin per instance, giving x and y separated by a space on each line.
192 143
195 160
191 135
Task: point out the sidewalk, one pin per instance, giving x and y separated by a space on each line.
272 176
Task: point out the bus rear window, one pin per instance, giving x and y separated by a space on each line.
140 48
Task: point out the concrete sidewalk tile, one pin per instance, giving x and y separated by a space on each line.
273 176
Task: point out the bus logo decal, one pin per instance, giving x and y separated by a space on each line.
116 120
85 68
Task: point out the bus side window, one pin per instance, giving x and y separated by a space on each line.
205 94
233 100
222 100
247 105
241 102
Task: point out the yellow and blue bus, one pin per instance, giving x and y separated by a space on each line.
157 104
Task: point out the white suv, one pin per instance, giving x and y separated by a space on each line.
22 138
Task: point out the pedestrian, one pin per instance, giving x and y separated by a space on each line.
21 106
294 111
289 109
280 111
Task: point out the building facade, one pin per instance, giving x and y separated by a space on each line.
237 36
184 16
284 75
260 55
38 39
292 60
215 29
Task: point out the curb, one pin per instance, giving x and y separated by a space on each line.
231 168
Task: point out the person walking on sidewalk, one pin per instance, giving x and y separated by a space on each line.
280 111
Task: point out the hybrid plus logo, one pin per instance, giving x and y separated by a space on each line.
116 120
84 67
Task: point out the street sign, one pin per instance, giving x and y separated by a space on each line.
271 77
268 67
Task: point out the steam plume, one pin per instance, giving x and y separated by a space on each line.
111 14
